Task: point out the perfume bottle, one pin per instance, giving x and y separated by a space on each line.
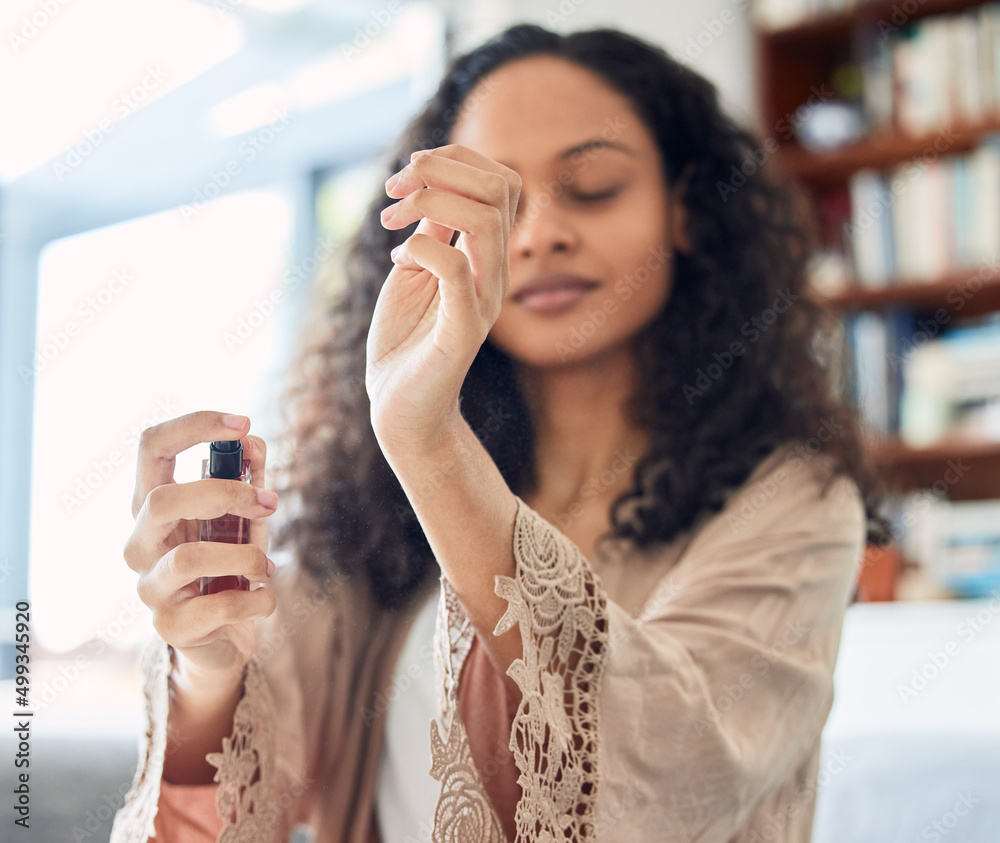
225 460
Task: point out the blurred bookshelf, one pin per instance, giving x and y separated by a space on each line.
888 115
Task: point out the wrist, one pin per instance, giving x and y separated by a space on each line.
445 437
211 687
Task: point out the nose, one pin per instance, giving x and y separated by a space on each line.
541 226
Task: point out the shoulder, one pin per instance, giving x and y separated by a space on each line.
792 491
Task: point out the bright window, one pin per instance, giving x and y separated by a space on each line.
138 323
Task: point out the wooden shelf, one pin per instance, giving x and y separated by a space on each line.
882 151
825 26
965 469
795 66
973 291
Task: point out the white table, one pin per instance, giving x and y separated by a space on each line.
914 734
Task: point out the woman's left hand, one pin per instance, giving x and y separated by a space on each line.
440 301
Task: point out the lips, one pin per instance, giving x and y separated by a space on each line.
553 292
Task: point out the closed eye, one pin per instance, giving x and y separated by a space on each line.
596 196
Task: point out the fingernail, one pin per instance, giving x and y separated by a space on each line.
418 153
265 497
389 213
270 566
391 183
235 422
394 252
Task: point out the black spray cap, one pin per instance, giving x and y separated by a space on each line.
225 459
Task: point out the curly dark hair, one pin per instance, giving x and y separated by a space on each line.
712 414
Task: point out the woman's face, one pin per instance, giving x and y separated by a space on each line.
594 228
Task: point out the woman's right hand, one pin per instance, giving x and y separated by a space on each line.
212 635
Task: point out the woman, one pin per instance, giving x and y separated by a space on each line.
596 442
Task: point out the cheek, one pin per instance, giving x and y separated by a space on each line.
641 292
642 267
634 238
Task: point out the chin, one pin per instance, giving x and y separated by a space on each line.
546 353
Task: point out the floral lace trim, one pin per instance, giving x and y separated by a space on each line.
245 796
561 611
134 821
247 790
464 811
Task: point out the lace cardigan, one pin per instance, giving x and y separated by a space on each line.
677 693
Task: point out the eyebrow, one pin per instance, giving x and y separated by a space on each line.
586 146
595 143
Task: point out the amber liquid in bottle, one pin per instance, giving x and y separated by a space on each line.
234 529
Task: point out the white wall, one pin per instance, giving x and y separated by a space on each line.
712 36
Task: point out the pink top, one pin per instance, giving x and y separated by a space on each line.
677 693
187 812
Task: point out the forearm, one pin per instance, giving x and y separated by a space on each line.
201 715
467 512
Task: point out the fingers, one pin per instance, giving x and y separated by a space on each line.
459 171
450 210
206 499
186 563
483 183
166 506
423 252
455 189
435 161
200 620
256 451
159 446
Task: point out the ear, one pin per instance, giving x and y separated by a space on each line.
679 239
